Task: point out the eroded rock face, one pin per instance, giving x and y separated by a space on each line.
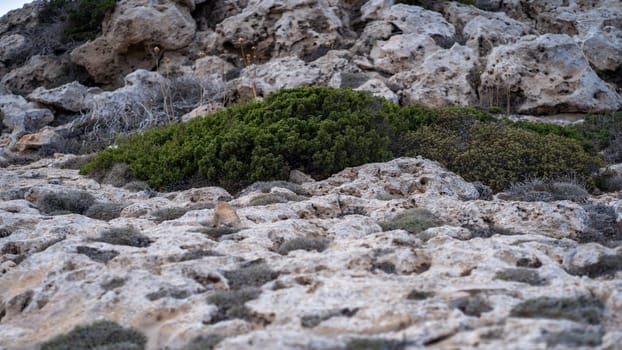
489 262
545 75
130 37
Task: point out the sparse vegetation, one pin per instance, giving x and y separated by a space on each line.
303 243
83 17
275 197
105 211
204 342
254 274
166 214
102 256
416 294
128 236
414 221
230 304
528 276
471 306
536 190
375 344
216 233
575 337
603 226
59 203
582 309
607 265
99 335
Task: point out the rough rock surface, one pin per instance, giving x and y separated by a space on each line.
467 283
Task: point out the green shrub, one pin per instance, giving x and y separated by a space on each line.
99 335
124 236
581 309
322 130
58 203
499 155
318 130
412 220
83 17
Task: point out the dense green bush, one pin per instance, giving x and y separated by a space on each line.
84 17
317 130
322 130
99 335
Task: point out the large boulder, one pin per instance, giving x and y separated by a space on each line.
442 79
414 19
72 97
545 74
22 117
47 71
402 52
274 28
131 36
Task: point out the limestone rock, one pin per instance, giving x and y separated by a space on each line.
29 142
73 97
378 88
442 79
414 19
133 31
23 117
47 71
306 29
402 52
546 75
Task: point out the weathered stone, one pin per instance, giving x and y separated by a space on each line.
47 71
545 75
73 97
130 36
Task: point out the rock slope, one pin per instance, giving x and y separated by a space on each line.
314 266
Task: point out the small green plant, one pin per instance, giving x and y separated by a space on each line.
58 203
414 221
582 309
99 335
128 236
303 243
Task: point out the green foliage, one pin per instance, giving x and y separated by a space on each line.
83 17
318 130
581 309
99 335
499 155
322 130
413 220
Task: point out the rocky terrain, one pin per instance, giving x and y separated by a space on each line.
395 255
153 62
312 266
